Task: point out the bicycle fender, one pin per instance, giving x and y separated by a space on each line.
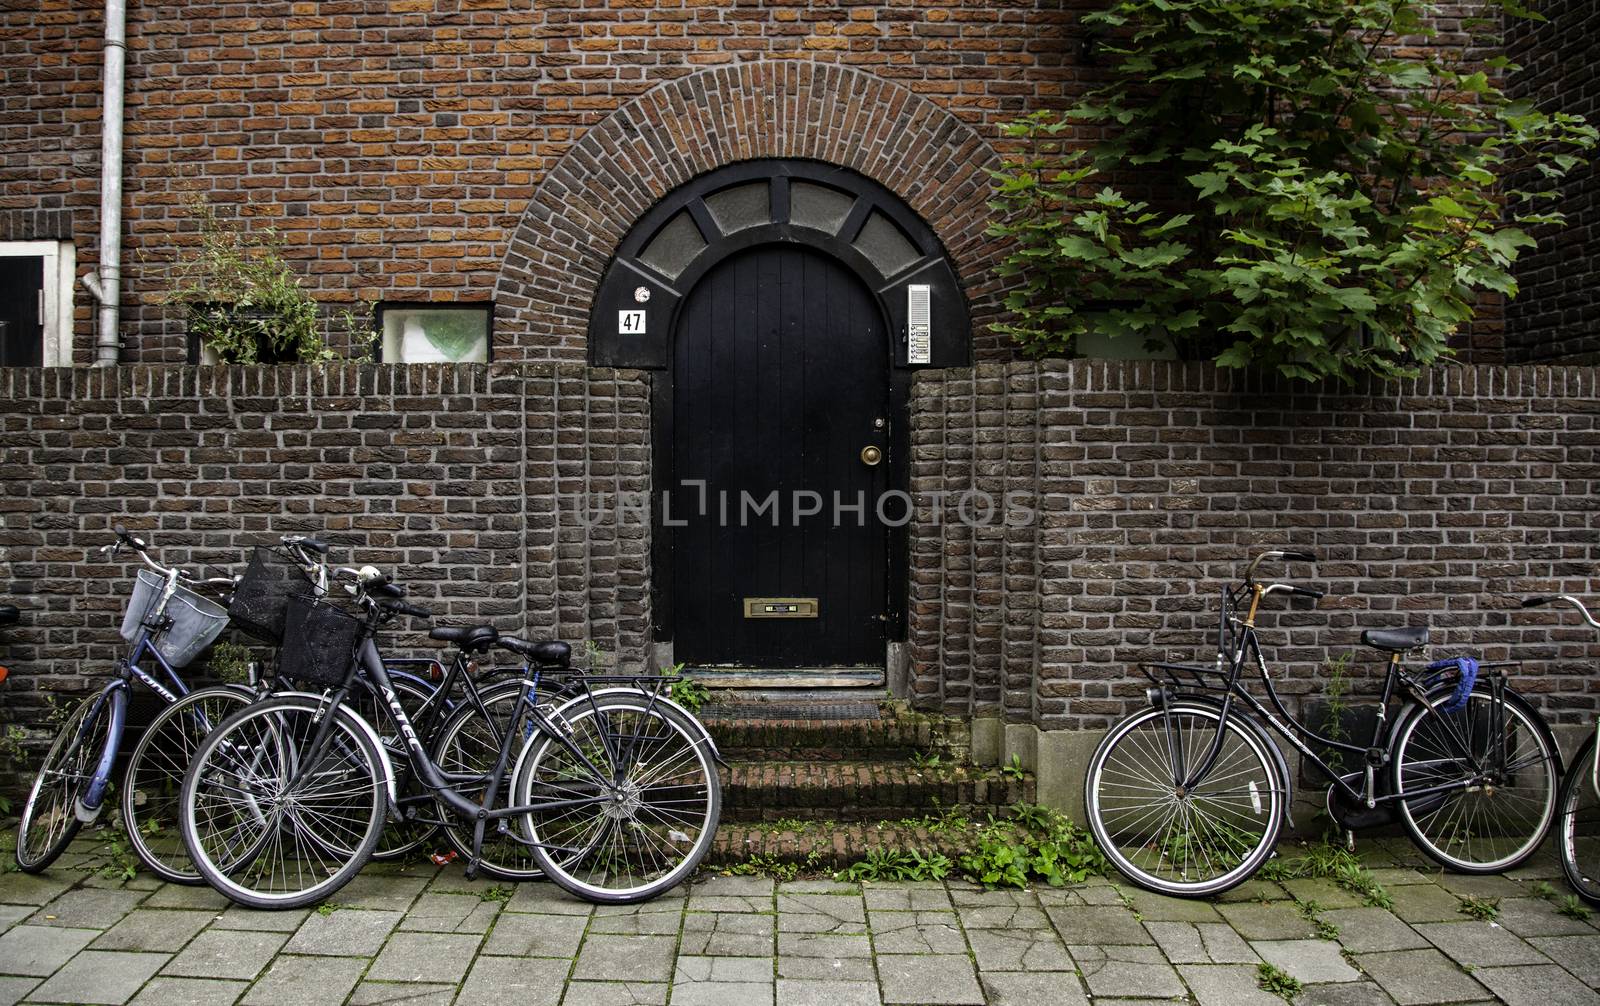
88 806
1262 734
385 764
1412 708
705 734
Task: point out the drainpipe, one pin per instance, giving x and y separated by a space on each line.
106 288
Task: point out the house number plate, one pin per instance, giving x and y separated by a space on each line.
780 607
630 322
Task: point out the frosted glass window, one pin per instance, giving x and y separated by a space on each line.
741 206
435 334
674 247
885 246
818 206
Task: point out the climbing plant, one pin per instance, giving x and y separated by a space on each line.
1300 185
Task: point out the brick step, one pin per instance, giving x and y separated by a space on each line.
757 790
895 733
827 846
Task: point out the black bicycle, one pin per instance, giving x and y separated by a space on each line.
1188 796
614 791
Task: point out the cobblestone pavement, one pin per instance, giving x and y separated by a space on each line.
423 935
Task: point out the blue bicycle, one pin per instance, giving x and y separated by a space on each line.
167 623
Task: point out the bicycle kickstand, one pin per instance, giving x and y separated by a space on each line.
1349 840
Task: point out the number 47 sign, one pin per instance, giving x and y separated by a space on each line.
630 322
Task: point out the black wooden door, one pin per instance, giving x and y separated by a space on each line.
21 327
780 381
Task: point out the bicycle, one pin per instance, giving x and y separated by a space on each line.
1188 796
165 621
614 791
1578 820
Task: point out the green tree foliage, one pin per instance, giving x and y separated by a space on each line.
1289 184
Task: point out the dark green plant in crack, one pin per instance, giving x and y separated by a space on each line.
1278 981
1482 909
1036 843
1332 196
1338 865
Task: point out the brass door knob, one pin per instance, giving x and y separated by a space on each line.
871 455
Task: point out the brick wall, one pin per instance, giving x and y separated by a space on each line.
461 480
1439 501
1557 316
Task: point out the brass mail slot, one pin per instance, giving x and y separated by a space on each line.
780 607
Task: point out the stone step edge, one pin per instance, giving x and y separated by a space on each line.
829 846
854 790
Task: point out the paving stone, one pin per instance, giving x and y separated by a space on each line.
1010 989
714 981
1413 977
402 994
547 899
1009 897
1362 993
306 981
1425 903
759 887
240 917
1578 954
615 994
14 990
1534 986
190 992
186 896
526 981
31 889
87 908
659 918
40 950
822 945
819 886
915 933
1307 960
424 957
626 958
448 913
1491 885
1102 895
820 913
1398 876
1322 891
928 978
382 893
722 994
1019 950
835 958
226 954
1276 921
154 929
1254 889
1003 917
727 935
99 976
1159 908
348 932
1226 985
1206 943
1480 944
1140 972
805 992
536 936
1537 917
1097 924
1371 930
899 899
10 915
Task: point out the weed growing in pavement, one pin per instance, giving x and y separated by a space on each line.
327 908
1014 769
1482 909
759 865
898 864
1323 929
1543 890
926 759
1035 843
1277 981
497 893
1338 865
1572 908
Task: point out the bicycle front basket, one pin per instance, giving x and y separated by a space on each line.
319 643
193 621
261 598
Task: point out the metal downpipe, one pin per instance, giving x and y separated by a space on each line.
107 288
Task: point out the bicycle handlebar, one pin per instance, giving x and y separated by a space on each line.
402 608
1534 602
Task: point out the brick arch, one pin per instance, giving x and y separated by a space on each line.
621 167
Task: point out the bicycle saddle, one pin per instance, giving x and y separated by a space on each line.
549 652
471 638
1395 640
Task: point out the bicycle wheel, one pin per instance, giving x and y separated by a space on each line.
154 781
1578 825
1195 843
468 744
1500 813
49 818
272 823
634 803
402 836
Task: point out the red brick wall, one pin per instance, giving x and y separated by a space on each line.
397 143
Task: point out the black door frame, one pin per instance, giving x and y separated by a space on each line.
629 272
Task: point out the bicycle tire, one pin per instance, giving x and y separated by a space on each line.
400 837
36 856
540 766
1425 772
1250 739
249 754
1578 825
153 784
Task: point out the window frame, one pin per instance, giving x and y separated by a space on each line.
60 286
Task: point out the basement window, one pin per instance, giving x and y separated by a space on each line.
36 291
434 333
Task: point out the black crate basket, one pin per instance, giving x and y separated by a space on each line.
261 598
319 643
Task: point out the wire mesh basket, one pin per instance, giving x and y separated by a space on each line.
194 620
319 643
261 598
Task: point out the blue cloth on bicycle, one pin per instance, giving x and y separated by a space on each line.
1466 675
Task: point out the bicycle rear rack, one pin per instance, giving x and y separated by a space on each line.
1187 677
